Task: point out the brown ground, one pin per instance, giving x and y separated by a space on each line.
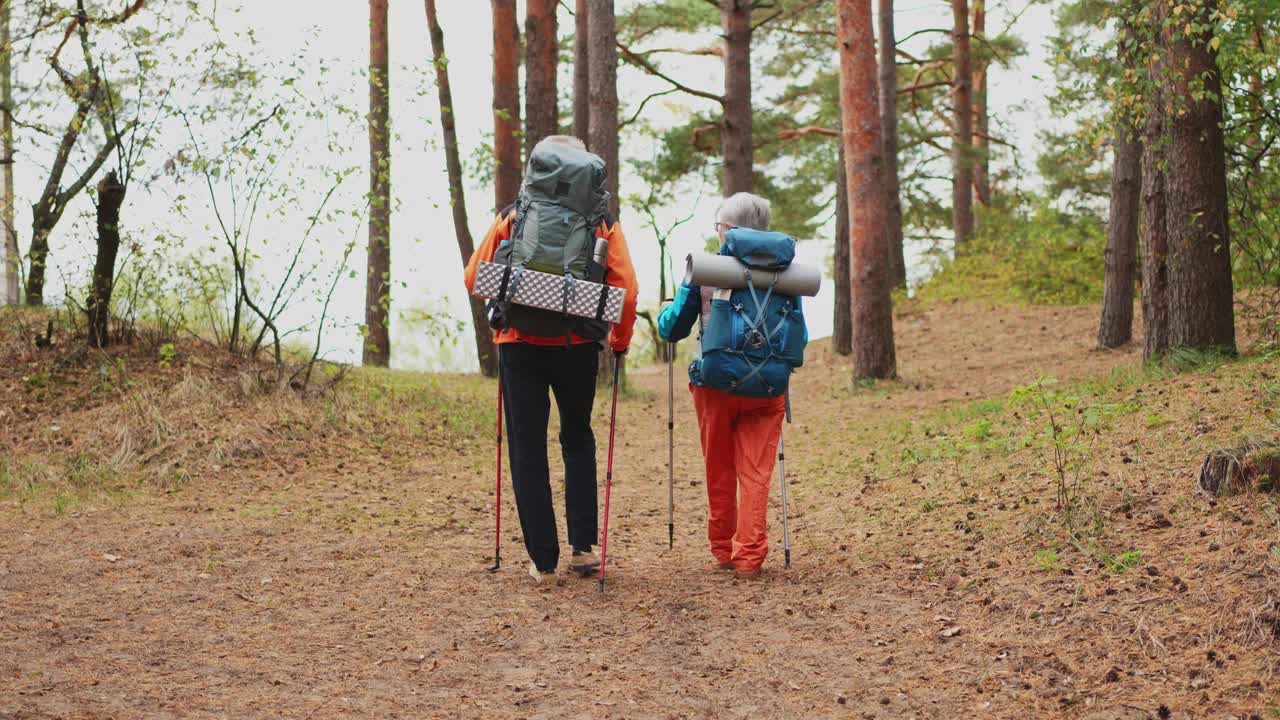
180 543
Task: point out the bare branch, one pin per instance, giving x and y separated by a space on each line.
640 109
648 67
782 13
806 131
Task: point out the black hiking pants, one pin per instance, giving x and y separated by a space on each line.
528 372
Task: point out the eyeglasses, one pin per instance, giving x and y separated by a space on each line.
726 226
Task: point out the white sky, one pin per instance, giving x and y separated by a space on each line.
425 254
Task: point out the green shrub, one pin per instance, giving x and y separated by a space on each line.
1032 254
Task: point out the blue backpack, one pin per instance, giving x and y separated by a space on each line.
754 338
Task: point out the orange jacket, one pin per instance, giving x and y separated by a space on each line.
619 273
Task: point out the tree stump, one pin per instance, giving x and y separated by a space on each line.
1231 471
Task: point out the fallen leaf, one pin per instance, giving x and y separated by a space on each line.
952 631
111 558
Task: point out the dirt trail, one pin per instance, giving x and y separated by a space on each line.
344 584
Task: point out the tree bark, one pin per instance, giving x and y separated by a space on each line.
842 326
736 141
889 127
9 245
1116 326
111 194
582 72
457 195
874 356
981 112
377 304
1155 231
962 129
603 117
603 82
506 103
541 116
1201 296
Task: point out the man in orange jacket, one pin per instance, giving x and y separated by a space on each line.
531 367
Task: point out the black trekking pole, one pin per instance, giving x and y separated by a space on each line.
782 480
497 492
671 445
608 476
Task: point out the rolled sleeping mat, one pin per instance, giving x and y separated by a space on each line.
722 271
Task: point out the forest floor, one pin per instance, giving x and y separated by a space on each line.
181 541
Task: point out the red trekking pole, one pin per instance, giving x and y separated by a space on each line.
608 475
497 492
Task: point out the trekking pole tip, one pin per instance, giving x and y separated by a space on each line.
601 584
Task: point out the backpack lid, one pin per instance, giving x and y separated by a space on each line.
566 176
760 249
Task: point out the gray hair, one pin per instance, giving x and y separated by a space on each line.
569 140
744 210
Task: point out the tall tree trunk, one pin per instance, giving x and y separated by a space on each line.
9 244
541 116
1116 326
110 197
874 356
1201 296
377 302
582 72
42 223
962 129
889 126
981 113
842 325
735 133
1155 231
603 116
457 195
506 103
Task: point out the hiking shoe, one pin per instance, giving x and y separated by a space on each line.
753 574
725 566
542 577
584 562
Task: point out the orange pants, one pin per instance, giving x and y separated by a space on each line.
739 445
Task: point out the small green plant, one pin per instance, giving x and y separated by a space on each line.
60 503
1122 562
1048 560
167 353
1155 420
929 506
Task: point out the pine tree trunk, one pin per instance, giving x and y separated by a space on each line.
1201 296
1116 326
889 127
506 104
842 326
582 72
9 242
110 197
981 113
466 245
603 117
735 132
874 356
1155 231
377 345
541 116
962 129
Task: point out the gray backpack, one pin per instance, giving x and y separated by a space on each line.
562 202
